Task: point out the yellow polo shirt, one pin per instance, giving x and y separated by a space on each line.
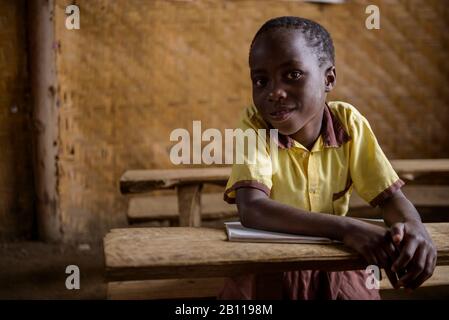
345 156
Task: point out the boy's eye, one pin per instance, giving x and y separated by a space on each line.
259 82
294 75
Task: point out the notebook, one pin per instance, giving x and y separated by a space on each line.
237 232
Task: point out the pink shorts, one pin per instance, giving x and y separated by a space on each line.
305 285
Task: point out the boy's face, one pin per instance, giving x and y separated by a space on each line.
289 86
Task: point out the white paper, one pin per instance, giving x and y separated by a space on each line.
237 232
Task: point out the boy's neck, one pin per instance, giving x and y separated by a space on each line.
308 134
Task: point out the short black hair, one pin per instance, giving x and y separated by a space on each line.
316 36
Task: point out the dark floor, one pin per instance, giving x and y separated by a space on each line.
35 270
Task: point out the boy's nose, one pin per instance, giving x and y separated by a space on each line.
277 94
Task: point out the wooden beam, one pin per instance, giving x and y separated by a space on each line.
158 253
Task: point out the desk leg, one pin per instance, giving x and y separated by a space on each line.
189 204
269 286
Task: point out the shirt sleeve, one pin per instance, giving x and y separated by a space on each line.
372 174
252 172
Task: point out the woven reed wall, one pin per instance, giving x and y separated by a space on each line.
16 176
136 70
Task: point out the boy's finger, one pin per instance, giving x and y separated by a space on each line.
417 267
405 256
426 273
397 232
393 278
404 281
415 284
392 252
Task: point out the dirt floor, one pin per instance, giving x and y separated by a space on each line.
36 270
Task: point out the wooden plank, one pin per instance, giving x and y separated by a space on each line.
431 201
189 204
158 253
430 171
137 181
419 195
165 289
209 287
418 166
427 196
149 208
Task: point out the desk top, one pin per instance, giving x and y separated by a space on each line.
179 252
137 181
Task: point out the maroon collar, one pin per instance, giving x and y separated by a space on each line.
332 132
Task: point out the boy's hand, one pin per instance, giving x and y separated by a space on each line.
417 253
373 243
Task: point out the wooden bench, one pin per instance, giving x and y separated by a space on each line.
189 182
210 287
196 253
430 199
432 202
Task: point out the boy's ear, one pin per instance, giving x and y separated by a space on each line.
331 78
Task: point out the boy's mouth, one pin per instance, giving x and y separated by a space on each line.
281 114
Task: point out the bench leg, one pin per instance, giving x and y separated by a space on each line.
189 203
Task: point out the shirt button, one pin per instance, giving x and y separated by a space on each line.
312 191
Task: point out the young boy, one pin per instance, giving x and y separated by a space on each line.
324 151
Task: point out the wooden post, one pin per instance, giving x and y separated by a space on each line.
189 204
42 60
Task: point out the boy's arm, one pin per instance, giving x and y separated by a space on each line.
258 211
417 251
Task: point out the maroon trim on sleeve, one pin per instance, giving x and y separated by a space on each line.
245 184
384 195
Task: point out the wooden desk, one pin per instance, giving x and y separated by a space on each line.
189 182
183 252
